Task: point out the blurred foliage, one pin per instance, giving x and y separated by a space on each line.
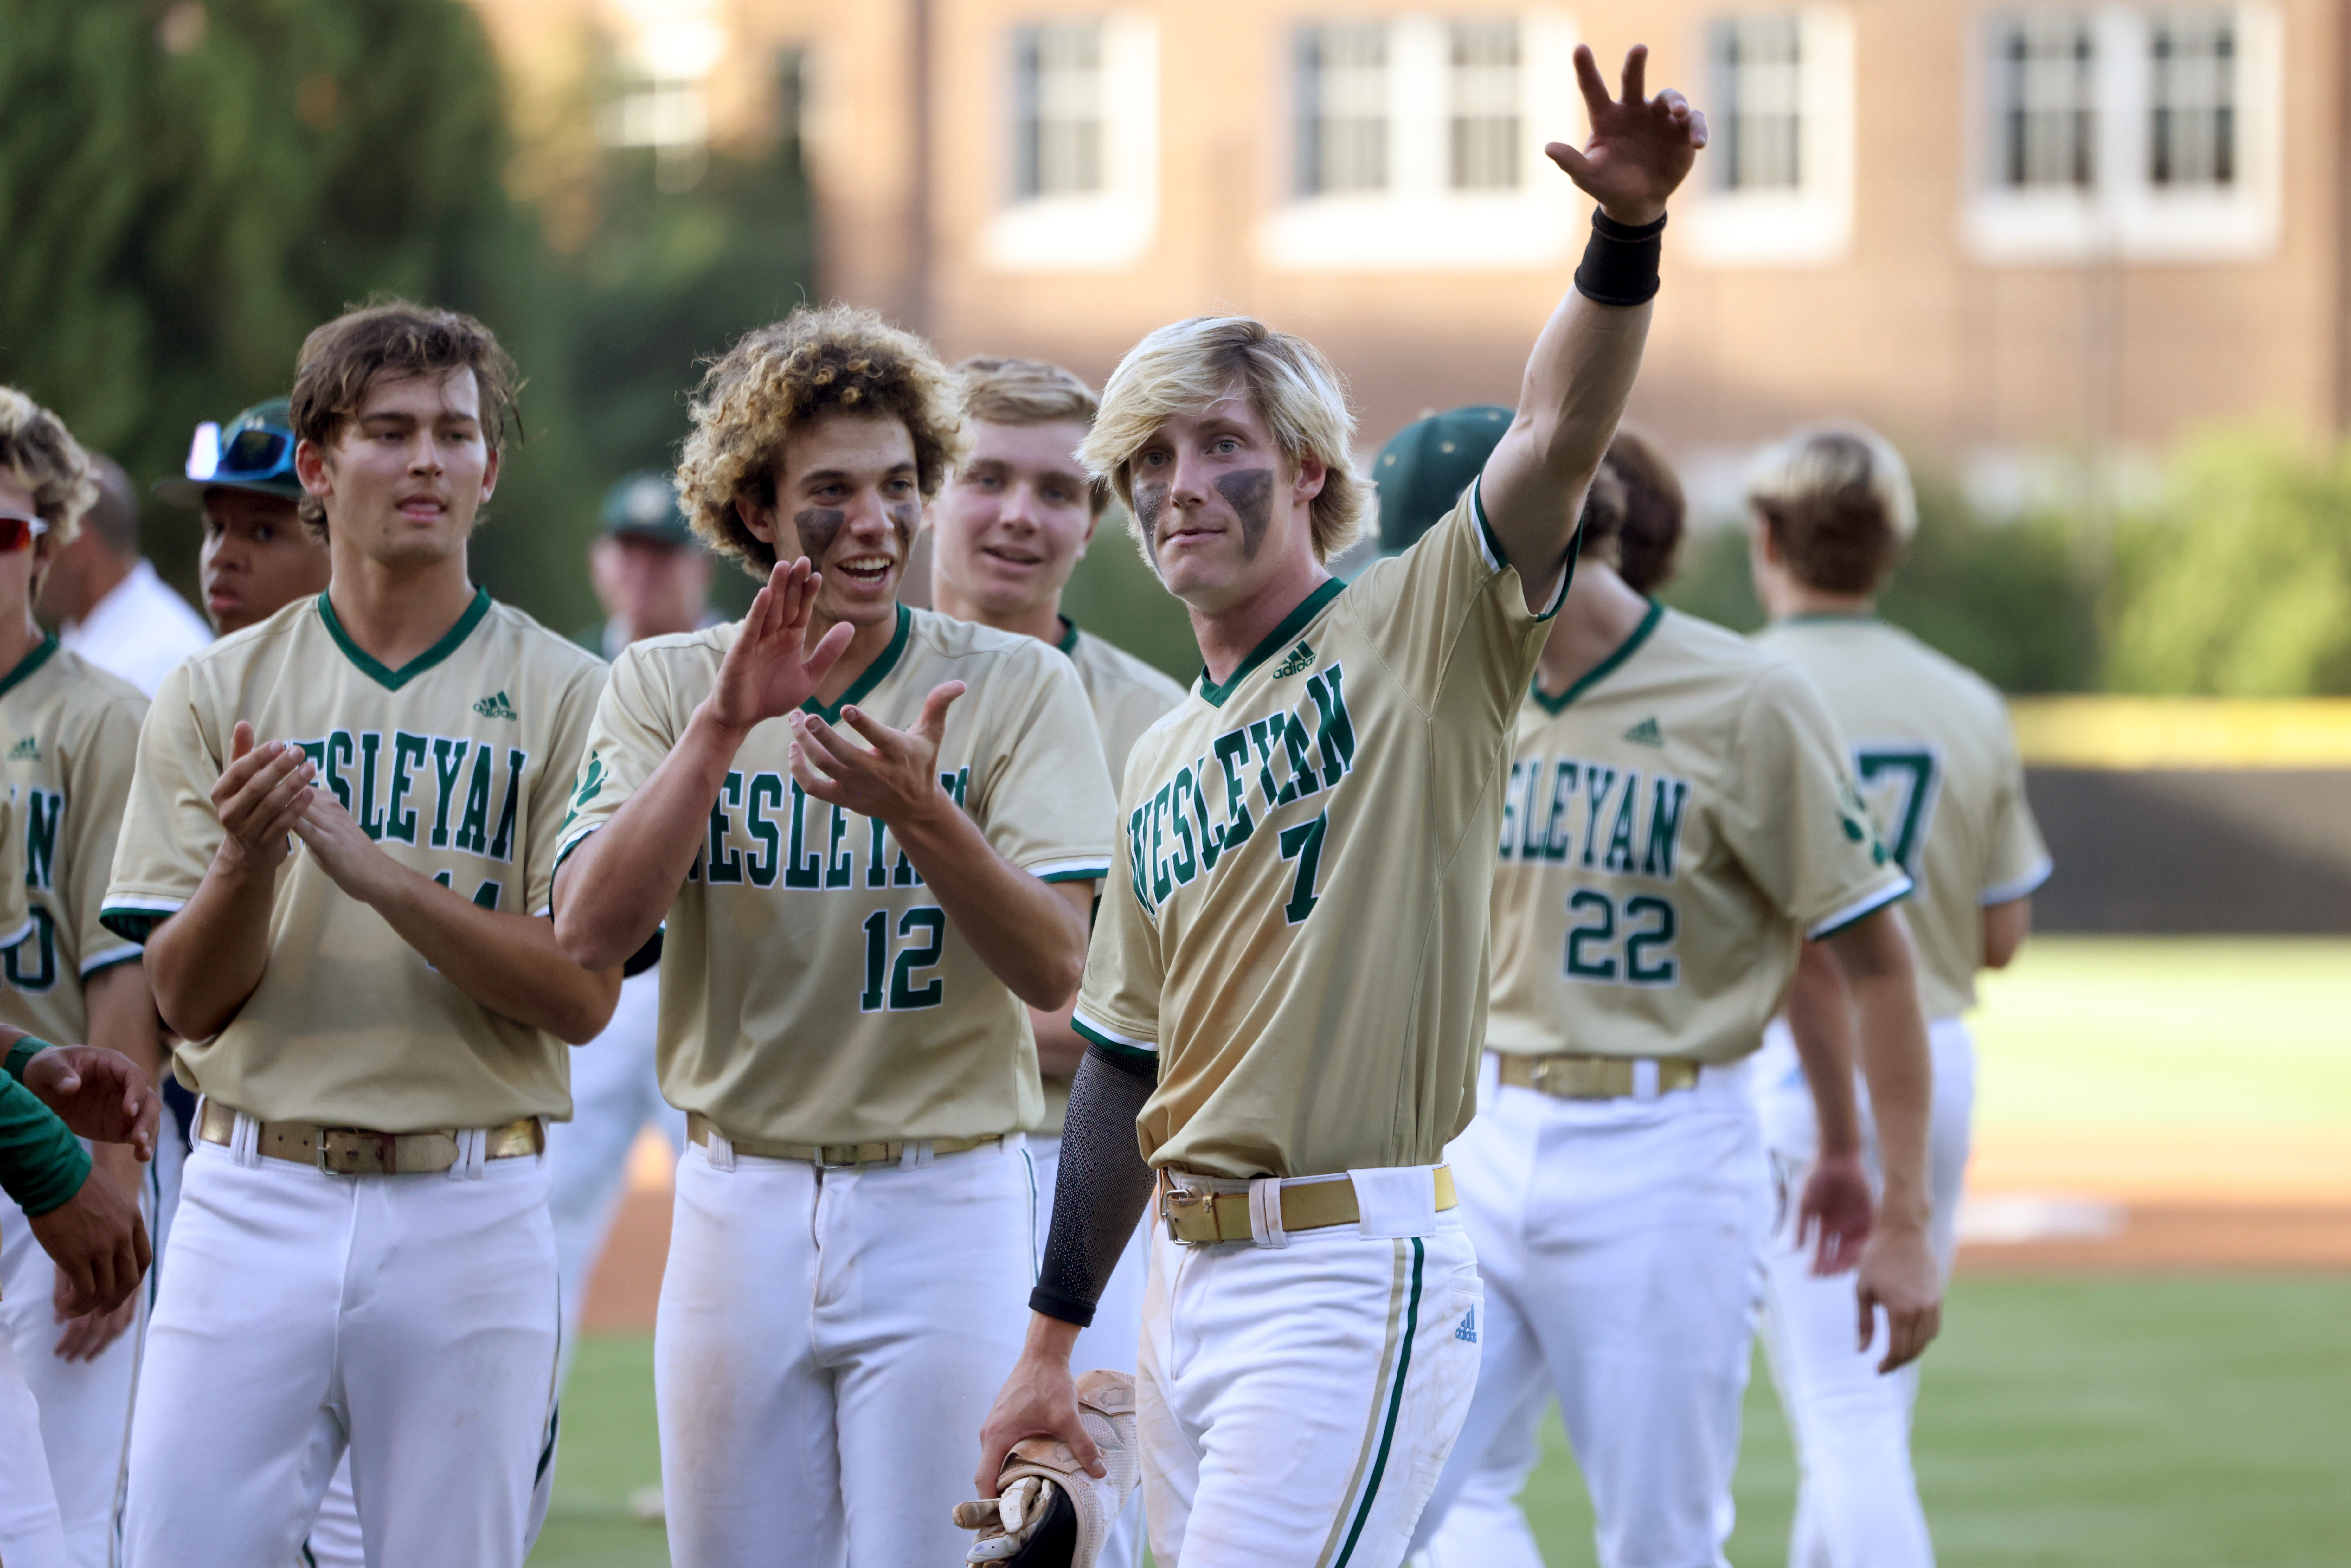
187 189
2238 582
2010 601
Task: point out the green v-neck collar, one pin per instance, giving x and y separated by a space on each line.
392 680
876 672
1275 640
1605 667
1069 642
28 664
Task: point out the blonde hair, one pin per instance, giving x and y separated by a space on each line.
819 359
1837 500
1030 392
1186 366
40 454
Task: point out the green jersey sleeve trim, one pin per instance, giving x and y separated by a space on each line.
876 672
1087 870
1110 1039
42 1165
1275 642
1605 667
392 680
28 664
135 919
1861 908
1490 545
22 1052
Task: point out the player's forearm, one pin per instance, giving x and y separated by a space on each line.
1820 1019
509 963
1059 1047
122 1018
1030 934
614 890
1896 1061
207 959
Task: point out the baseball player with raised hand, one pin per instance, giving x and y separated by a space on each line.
1285 992
874 833
71 732
1009 527
1680 817
376 1016
1938 764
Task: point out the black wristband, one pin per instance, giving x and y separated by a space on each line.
1620 262
1069 1308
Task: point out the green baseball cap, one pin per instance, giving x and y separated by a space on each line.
253 452
1422 471
644 506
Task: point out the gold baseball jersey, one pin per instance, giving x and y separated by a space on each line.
70 732
1301 930
1128 696
458 764
1676 822
812 989
1936 761
16 906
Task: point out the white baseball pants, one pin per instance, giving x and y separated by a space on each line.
31 1534
828 1344
412 1319
1297 1399
1110 1342
1857 1499
1621 1242
1485 1528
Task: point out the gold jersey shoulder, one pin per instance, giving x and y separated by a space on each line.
1127 695
813 989
1675 823
1936 761
458 764
1298 927
68 735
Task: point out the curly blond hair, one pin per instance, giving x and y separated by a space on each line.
819 359
39 453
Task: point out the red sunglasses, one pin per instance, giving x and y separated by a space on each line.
17 531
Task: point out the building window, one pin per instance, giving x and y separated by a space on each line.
1759 64
2047 66
1058 71
1343 108
2193 115
1482 79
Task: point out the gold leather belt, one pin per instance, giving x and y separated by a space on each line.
358 1151
1196 1217
830 1157
1570 1077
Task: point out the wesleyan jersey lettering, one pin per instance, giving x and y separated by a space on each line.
459 765
812 989
1937 762
1300 930
1676 822
1128 696
71 734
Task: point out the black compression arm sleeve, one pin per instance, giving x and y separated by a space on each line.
1620 262
1102 1185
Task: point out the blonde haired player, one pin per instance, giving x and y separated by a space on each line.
1009 527
1679 818
1938 764
1286 988
361 1257
874 833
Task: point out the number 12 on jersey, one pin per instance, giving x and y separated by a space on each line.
903 994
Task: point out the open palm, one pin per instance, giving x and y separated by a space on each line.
1641 148
770 670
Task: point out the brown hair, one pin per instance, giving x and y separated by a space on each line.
341 362
40 454
1030 392
1604 517
1651 536
1837 501
819 359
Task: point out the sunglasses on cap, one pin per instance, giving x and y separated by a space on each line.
256 452
17 531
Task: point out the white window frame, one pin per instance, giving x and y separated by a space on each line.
1420 223
1810 226
2123 215
1108 230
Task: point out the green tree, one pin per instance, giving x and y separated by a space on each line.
2238 582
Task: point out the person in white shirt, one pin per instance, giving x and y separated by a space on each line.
111 607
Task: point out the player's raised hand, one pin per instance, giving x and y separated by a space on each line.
1641 147
1898 1273
98 1242
98 1094
260 794
1835 1213
344 851
896 779
770 670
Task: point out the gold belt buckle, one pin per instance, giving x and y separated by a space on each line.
357 1145
1179 1206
